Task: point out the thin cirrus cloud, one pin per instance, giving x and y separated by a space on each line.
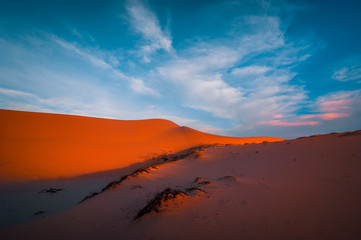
326 116
289 124
335 105
15 93
199 88
146 23
96 61
341 101
257 93
250 70
349 73
136 84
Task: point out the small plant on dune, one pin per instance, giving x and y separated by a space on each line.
114 183
229 178
201 181
51 190
198 154
140 171
195 189
39 213
136 186
156 203
89 196
162 159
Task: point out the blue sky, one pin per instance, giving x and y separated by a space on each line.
238 68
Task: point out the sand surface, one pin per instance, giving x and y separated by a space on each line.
40 145
307 188
78 155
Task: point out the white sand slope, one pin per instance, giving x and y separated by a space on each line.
307 188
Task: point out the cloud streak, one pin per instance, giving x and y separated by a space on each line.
219 78
146 23
250 70
15 93
289 124
326 116
348 73
96 61
136 84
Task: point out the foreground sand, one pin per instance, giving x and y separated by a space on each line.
307 188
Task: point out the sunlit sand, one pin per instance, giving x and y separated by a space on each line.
152 179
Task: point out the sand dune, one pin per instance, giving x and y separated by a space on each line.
40 145
307 188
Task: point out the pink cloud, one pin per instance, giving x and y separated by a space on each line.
289 124
330 116
331 106
326 116
309 116
278 116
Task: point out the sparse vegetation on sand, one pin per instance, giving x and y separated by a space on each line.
51 190
155 204
156 162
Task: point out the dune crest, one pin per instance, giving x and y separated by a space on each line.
43 145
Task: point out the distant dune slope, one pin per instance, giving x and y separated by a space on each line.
42 145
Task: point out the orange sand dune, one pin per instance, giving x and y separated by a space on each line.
42 145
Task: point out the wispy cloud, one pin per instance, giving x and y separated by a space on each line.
96 61
341 101
227 80
200 88
289 124
138 86
334 105
348 73
250 70
326 116
146 23
15 93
